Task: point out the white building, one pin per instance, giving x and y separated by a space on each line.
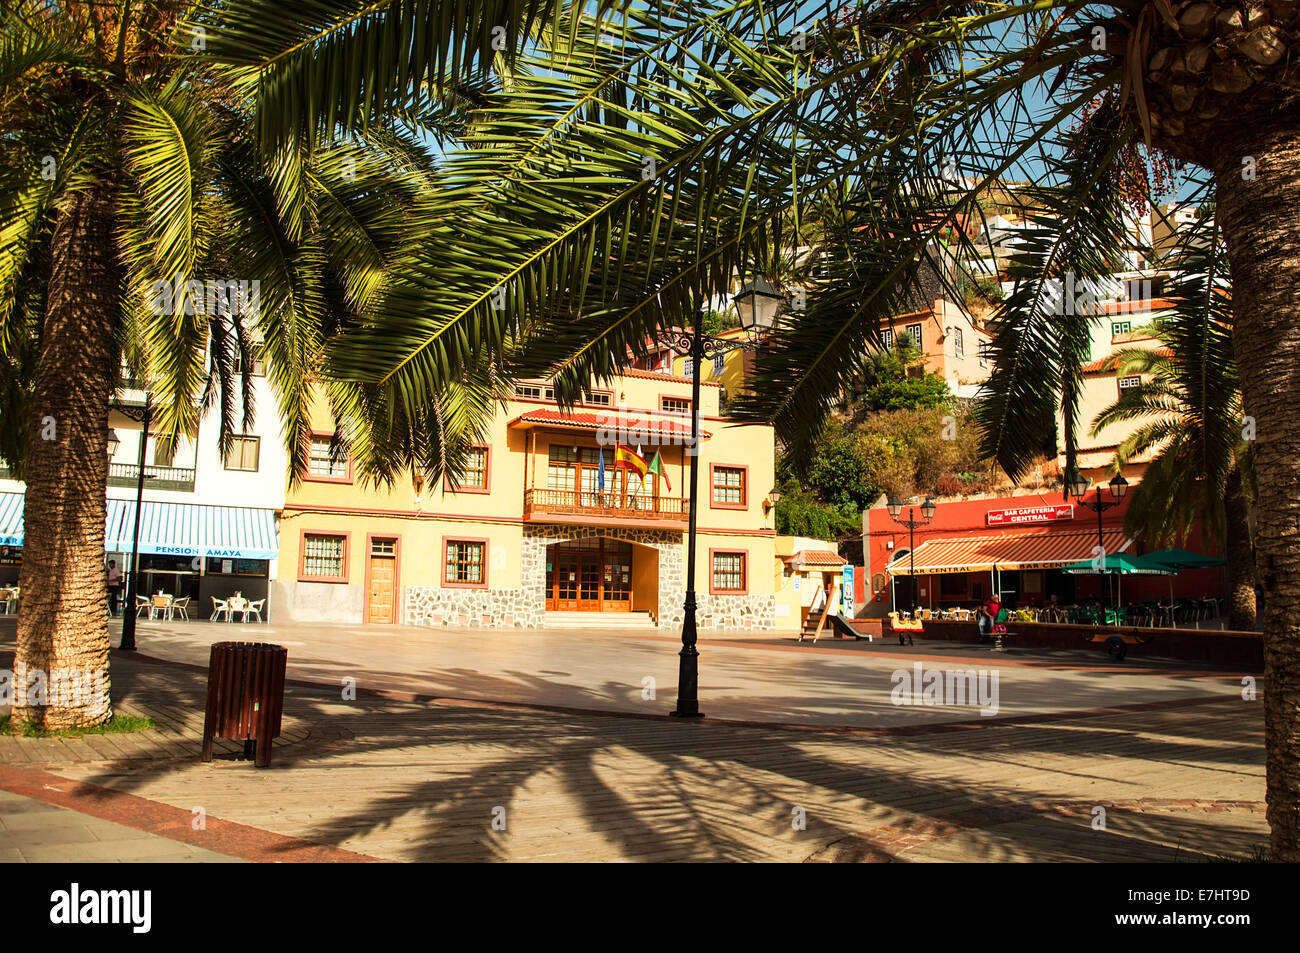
209 523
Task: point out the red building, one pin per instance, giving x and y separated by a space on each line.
1016 545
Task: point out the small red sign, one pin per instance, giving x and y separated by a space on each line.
1031 514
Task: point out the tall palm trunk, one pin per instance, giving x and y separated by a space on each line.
1241 556
63 620
1257 215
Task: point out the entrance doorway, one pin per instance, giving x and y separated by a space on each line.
590 575
381 588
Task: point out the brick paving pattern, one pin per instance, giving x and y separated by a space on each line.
402 778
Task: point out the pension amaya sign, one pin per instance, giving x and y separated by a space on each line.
1030 514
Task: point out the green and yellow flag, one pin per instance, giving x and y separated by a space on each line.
658 469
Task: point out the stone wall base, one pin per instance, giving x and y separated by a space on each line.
487 608
755 612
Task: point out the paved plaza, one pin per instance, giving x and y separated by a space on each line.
490 745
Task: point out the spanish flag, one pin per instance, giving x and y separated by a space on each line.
629 459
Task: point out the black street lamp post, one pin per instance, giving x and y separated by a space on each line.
128 612
758 304
895 507
1078 485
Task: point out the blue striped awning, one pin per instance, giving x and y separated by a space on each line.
11 519
192 529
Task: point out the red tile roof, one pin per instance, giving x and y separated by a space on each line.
1108 363
816 557
660 376
651 427
1135 306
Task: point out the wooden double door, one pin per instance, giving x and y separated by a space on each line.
592 575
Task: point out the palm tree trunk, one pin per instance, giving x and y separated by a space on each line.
63 619
1241 556
1257 214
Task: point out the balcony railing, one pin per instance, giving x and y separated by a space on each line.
156 478
602 505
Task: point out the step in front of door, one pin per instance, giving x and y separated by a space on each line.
598 620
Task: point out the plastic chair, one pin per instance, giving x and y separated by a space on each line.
219 608
240 605
181 607
255 608
143 604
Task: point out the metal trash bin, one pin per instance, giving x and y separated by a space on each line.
245 696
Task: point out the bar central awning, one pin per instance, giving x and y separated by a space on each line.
193 529
1005 551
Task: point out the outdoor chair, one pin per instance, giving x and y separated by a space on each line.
8 597
240 605
255 608
142 604
219 608
160 607
181 607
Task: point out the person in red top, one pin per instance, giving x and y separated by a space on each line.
989 615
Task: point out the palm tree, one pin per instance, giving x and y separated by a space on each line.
132 167
641 161
1189 409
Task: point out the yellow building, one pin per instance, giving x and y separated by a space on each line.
1103 384
728 371
533 531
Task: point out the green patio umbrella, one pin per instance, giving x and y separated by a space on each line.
1178 560
1120 564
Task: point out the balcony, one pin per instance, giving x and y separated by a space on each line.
155 478
566 506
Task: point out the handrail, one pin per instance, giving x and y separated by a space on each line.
595 503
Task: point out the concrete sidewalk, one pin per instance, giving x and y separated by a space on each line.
32 831
769 680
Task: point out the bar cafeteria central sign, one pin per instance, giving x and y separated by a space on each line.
1031 514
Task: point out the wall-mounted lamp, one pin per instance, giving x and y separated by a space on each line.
773 498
